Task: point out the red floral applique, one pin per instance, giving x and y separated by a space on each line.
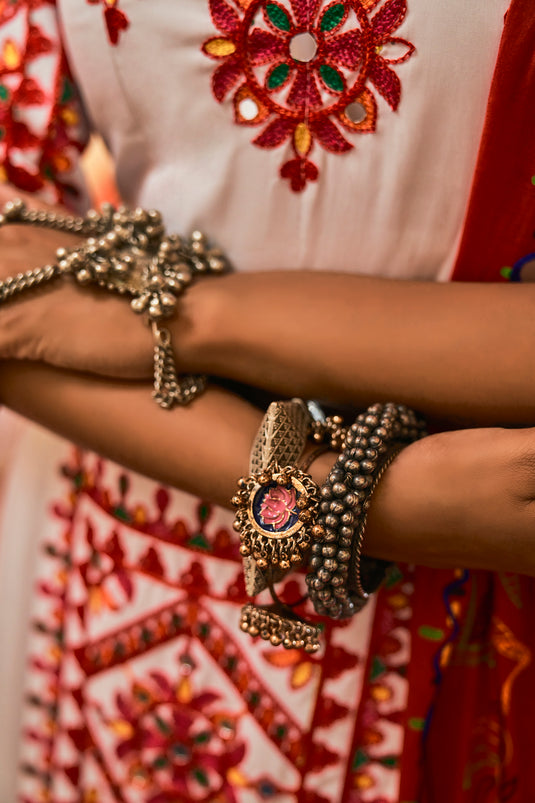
116 20
305 71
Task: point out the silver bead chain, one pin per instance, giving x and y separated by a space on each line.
334 581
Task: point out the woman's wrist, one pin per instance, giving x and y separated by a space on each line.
321 466
198 325
18 331
462 498
345 338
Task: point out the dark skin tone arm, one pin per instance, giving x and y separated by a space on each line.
460 352
438 500
458 498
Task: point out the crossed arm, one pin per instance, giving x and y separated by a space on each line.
451 351
460 351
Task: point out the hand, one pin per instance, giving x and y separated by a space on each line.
464 498
62 324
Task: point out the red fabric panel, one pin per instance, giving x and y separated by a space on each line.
501 214
478 743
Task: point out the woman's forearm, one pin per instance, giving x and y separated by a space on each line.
452 350
202 448
461 498
463 351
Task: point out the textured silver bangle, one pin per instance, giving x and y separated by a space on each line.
357 558
278 518
126 252
334 581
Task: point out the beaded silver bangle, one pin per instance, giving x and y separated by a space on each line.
335 583
127 252
277 513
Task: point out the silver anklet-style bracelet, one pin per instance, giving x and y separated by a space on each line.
127 252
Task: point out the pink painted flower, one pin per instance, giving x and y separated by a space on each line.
277 506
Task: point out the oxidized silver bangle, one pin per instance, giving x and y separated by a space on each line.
335 583
127 252
277 513
279 625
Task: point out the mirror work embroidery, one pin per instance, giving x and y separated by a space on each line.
306 71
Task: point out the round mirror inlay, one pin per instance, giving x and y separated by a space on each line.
248 109
356 112
303 47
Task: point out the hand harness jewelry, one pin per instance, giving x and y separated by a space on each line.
285 520
126 252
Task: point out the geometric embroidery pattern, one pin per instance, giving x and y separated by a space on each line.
142 686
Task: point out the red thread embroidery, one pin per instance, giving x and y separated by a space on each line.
307 69
116 20
42 127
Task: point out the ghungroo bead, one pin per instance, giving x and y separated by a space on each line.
126 252
335 581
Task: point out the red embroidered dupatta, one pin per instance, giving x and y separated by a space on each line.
476 725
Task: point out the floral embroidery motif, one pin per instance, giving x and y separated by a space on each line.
302 69
116 20
174 740
42 127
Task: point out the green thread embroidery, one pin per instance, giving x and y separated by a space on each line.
278 76
278 17
331 78
360 760
431 633
417 723
378 668
332 17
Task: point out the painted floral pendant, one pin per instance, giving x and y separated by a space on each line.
276 513
305 71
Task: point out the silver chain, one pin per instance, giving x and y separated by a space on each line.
127 252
